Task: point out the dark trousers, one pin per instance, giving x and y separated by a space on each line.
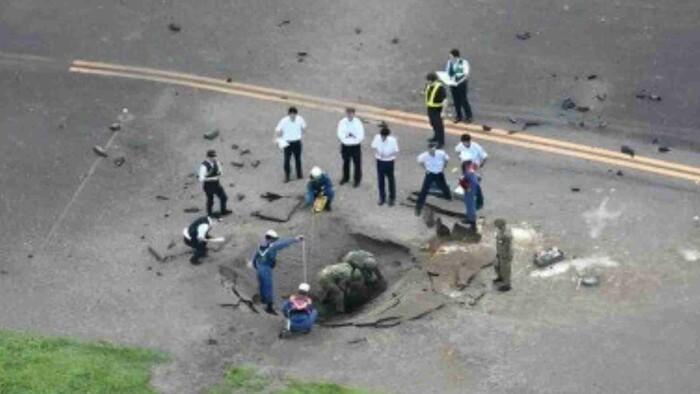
459 96
211 189
199 248
354 153
385 169
428 181
294 148
435 117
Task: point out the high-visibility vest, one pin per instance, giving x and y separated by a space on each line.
456 69
430 93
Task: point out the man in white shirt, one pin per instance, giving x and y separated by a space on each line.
476 152
434 162
458 71
386 148
209 174
289 131
351 133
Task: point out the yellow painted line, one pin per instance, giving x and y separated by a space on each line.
399 117
474 129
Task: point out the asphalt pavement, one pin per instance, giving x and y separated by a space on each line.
73 256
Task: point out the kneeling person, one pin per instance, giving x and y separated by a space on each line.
319 185
299 311
196 236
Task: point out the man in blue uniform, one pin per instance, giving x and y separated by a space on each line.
264 259
319 183
299 311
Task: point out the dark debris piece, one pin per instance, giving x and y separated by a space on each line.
592 77
162 198
174 27
664 149
575 189
240 196
211 342
255 163
245 152
512 120
531 123
568 104
100 151
627 150
601 97
119 161
583 109
191 210
486 128
234 146
620 173
523 36
237 164
115 127
283 23
395 40
358 30
211 134
229 80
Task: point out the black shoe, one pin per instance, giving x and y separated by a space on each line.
343 181
380 203
356 184
225 212
328 207
391 203
468 120
195 261
300 177
456 120
497 281
504 287
431 139
286 180
417 212
271 310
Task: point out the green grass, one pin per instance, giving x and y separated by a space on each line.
249 381
34 364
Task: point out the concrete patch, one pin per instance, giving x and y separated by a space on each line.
598 218
580 265
690 255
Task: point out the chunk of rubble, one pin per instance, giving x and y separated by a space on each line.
531 123
627 150
279 210
174 27
590 280
100 151
119 161
210 135
191 210
568 104
115 127
237 164
548 257
664 149
526 35
441 230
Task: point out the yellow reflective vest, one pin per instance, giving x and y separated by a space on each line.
430 94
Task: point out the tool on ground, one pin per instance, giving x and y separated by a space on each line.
320 203
217 239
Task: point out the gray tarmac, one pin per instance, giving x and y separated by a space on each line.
73 257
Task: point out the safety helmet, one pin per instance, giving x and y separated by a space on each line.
271 234
316 172
304 287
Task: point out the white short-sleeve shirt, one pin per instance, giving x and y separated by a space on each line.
475 150
385 150
434 164
291 130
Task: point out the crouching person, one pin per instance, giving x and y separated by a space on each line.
319 189
299 311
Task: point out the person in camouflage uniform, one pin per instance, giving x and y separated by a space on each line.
504 255
352 282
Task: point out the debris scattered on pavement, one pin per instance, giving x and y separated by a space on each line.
229 80
358 30
171 245
583 109
575 189
531 123
234 146
358 340
592 77
61 126
174 27
3 272
302 54
119 161
655 141
643 94
115 127
211 342
627 150
486 128
211 134
511 132
162 198
548 257
654 97
245 152
255 163
270 196
620 173
156 254
100 151
158 273
238 164
240 196
523 36
191 210
568 104
664 149
512 120
583 267
395 40
283 23
601 97
30 256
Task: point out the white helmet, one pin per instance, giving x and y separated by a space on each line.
271 234
304 287
316 172
466 155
